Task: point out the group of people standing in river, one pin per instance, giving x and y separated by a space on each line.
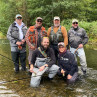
54 51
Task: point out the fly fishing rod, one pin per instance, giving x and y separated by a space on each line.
14 80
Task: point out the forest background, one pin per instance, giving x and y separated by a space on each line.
83 10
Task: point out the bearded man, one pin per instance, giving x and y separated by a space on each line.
43 60
57 33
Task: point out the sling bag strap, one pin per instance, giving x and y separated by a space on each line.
42 52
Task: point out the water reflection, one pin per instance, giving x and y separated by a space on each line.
17 85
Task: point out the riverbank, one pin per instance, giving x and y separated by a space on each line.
2 36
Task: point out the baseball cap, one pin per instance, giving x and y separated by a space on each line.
61 44
18 15
56 18
39 18
74 20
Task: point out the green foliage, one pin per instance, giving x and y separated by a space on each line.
90 27
84 10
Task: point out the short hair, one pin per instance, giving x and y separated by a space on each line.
44 38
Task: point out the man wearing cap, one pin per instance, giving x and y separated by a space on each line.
77 39
34 35
16 35
57 33
68 66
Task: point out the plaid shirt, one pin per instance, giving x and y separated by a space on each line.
34 45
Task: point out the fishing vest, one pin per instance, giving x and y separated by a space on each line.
57 37
33 35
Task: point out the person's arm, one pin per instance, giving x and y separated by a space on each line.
64 32
31 68
31 46
34 55
61 68
52 57
48 32
9 36
85 37
73 63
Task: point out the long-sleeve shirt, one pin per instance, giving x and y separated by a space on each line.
76 37
38 33
49 52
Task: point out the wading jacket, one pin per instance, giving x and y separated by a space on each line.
77 37
13 35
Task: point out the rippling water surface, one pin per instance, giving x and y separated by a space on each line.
17 85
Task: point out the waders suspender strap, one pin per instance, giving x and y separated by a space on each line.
58 29
42 52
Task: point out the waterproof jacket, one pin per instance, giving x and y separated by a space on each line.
77 37
34 36
50 55
66 61
13 34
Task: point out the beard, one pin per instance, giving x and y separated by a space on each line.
44 48
57 25
75 28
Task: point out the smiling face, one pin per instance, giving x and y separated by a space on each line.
75 24
19 20
39 23
61 49
56 23
45 42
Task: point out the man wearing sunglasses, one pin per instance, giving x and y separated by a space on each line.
16 36
77 39
34 36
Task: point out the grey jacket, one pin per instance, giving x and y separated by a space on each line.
13 35
77 37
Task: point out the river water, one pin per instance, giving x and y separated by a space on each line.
17 85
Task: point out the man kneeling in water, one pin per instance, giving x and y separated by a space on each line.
68 66
43 60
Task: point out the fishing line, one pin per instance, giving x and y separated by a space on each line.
14 80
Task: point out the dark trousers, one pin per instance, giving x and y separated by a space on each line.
55 48
69 81
16 56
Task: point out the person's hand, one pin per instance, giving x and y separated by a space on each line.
41 68
80 46
63 72
23 40
69 76
32 47
31 68
18 43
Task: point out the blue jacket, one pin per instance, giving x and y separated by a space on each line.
66 61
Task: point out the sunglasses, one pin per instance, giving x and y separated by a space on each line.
39 21
19 18
61 46
75 23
